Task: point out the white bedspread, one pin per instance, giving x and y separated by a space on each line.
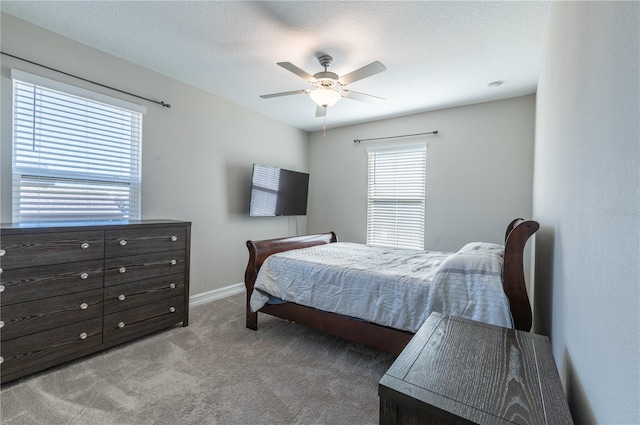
393 287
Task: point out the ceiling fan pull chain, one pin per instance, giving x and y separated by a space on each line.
324 127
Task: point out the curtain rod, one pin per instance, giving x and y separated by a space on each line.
161 103
394 137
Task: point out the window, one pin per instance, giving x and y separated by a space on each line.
396 196
76 154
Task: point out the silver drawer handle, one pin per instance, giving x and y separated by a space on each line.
84 245
2 252
83 335
121 297
84 306
1 288
123 242
174 262
1 270
172 286
172 309
121 325
174 238
84 276
1 359
1 324
122 269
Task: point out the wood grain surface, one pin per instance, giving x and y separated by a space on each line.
469 371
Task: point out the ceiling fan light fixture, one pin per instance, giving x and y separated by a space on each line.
325 97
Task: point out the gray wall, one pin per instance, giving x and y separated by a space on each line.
479 172
197 156
587 199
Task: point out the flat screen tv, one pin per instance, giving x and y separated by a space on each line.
278 192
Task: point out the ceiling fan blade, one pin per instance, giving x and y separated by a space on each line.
364 72
321 111
350 94
299 72
284 93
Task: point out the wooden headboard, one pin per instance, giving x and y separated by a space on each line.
518 233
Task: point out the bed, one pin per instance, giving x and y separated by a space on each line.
387 334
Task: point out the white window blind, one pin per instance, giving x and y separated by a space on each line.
396 196
74 158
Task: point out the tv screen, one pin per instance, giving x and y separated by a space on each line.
277 192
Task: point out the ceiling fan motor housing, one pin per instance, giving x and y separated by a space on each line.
325 79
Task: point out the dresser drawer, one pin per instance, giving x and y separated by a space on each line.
34 283
134 294
29 351
138 267
143 320
141 241
39 315
29 250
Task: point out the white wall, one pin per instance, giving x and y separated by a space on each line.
197 156
479 172
587 199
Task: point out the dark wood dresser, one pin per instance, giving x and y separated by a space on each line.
457 371
70 290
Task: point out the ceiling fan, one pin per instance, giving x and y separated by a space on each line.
328 86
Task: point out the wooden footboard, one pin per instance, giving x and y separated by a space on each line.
260 250
382 337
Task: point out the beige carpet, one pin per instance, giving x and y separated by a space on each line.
214 371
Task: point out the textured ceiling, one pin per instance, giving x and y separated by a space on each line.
437 54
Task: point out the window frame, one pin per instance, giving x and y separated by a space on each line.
78 169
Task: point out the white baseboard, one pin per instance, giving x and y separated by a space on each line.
216 294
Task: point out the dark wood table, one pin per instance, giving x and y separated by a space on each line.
457 371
